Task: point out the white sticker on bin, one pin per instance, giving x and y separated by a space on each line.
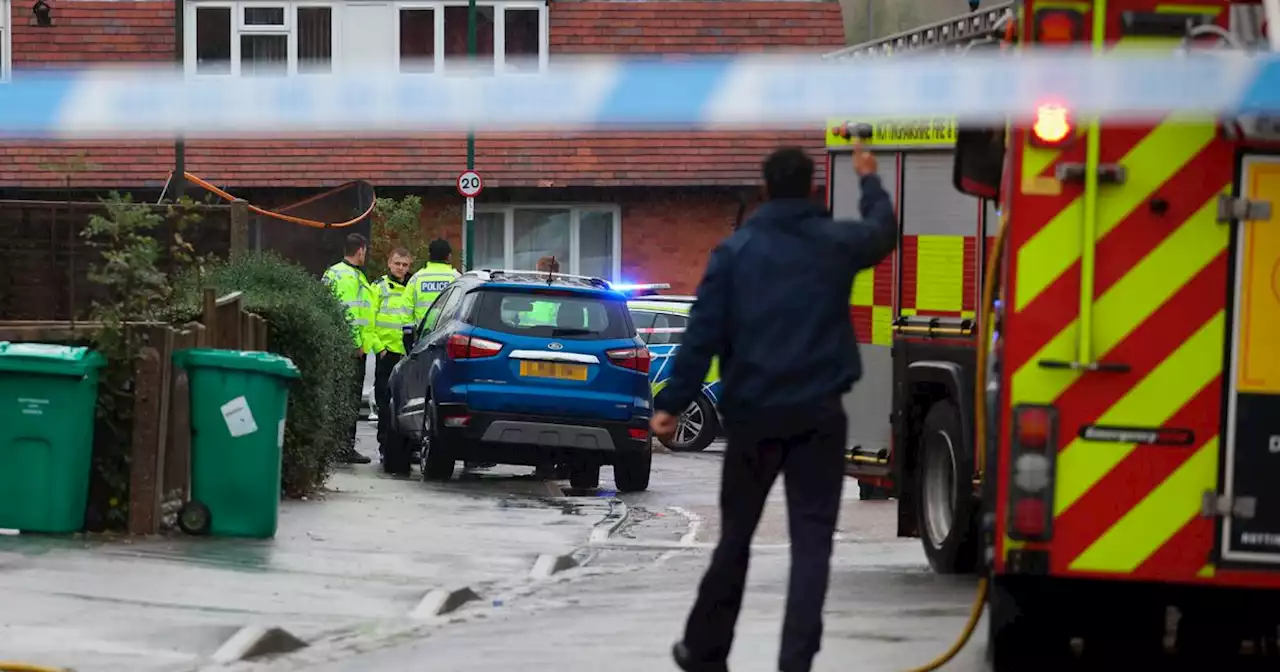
239 418
280 440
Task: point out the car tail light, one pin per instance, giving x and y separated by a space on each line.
1032 459
462 346
1053 126
638 434
457 421
635 359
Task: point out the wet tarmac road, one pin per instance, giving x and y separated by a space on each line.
886 612
368 549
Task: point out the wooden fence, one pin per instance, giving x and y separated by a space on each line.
160 479
44 258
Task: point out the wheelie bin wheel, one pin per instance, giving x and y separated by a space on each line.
194 518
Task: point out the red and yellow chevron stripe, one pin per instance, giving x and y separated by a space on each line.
1158 307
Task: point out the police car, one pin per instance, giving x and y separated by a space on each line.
661 321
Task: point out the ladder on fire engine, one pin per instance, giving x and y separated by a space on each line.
954 33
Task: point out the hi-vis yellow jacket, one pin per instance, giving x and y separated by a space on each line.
392 310
425 286
352 288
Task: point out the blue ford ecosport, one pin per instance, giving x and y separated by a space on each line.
518 367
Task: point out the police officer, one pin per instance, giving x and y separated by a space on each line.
393 309
349 283
426 284
773 305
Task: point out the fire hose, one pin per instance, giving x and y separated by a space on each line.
985 317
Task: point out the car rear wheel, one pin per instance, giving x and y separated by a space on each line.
437 462
631 471
696 429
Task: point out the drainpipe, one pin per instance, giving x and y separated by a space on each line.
179 145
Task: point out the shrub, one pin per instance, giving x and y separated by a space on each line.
308 325
396 223
136 244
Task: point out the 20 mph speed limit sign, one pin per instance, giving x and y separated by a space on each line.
470 184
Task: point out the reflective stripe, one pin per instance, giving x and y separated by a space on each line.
358 303
389 324
359 322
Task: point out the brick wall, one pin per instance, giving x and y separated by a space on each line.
87 33
694 27
667 234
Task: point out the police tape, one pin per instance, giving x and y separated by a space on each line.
780 91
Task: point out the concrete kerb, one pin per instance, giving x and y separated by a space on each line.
253 641
433 607
443 601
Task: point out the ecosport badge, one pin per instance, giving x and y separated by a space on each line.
555 346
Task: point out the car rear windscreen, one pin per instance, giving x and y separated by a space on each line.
552 314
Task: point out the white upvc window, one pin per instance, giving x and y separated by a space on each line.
6 41
585 239
511 35
259 38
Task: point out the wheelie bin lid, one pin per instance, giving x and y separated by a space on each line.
259 362
49 359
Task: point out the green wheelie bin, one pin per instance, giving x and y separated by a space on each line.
48 401
238 405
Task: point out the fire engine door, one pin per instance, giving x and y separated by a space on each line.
1251 506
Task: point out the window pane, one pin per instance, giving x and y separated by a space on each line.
540 233
595 245
315 39
264 54
455 34
489 240
521 39
417 40
213 40
264 16
546 316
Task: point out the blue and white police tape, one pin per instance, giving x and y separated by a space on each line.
783 91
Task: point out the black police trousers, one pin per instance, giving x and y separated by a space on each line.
808 446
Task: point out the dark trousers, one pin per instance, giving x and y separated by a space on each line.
357 395
381 393
808 445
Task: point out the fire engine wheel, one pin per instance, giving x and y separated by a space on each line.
945 509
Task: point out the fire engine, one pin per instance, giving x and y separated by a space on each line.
1103 298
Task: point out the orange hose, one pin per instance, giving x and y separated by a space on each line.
277 215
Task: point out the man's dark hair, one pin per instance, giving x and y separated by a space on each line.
355 243
439 250
788 173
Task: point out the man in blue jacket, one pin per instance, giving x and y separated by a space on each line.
774 306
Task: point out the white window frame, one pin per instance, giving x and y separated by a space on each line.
499 29
575 212
238 29
6 41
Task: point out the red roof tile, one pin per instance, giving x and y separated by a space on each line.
683 158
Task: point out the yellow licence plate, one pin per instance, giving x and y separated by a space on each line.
553 370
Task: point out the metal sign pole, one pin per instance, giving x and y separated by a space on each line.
468 226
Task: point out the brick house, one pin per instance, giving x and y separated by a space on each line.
641 206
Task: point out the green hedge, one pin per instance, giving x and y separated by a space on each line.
307 325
